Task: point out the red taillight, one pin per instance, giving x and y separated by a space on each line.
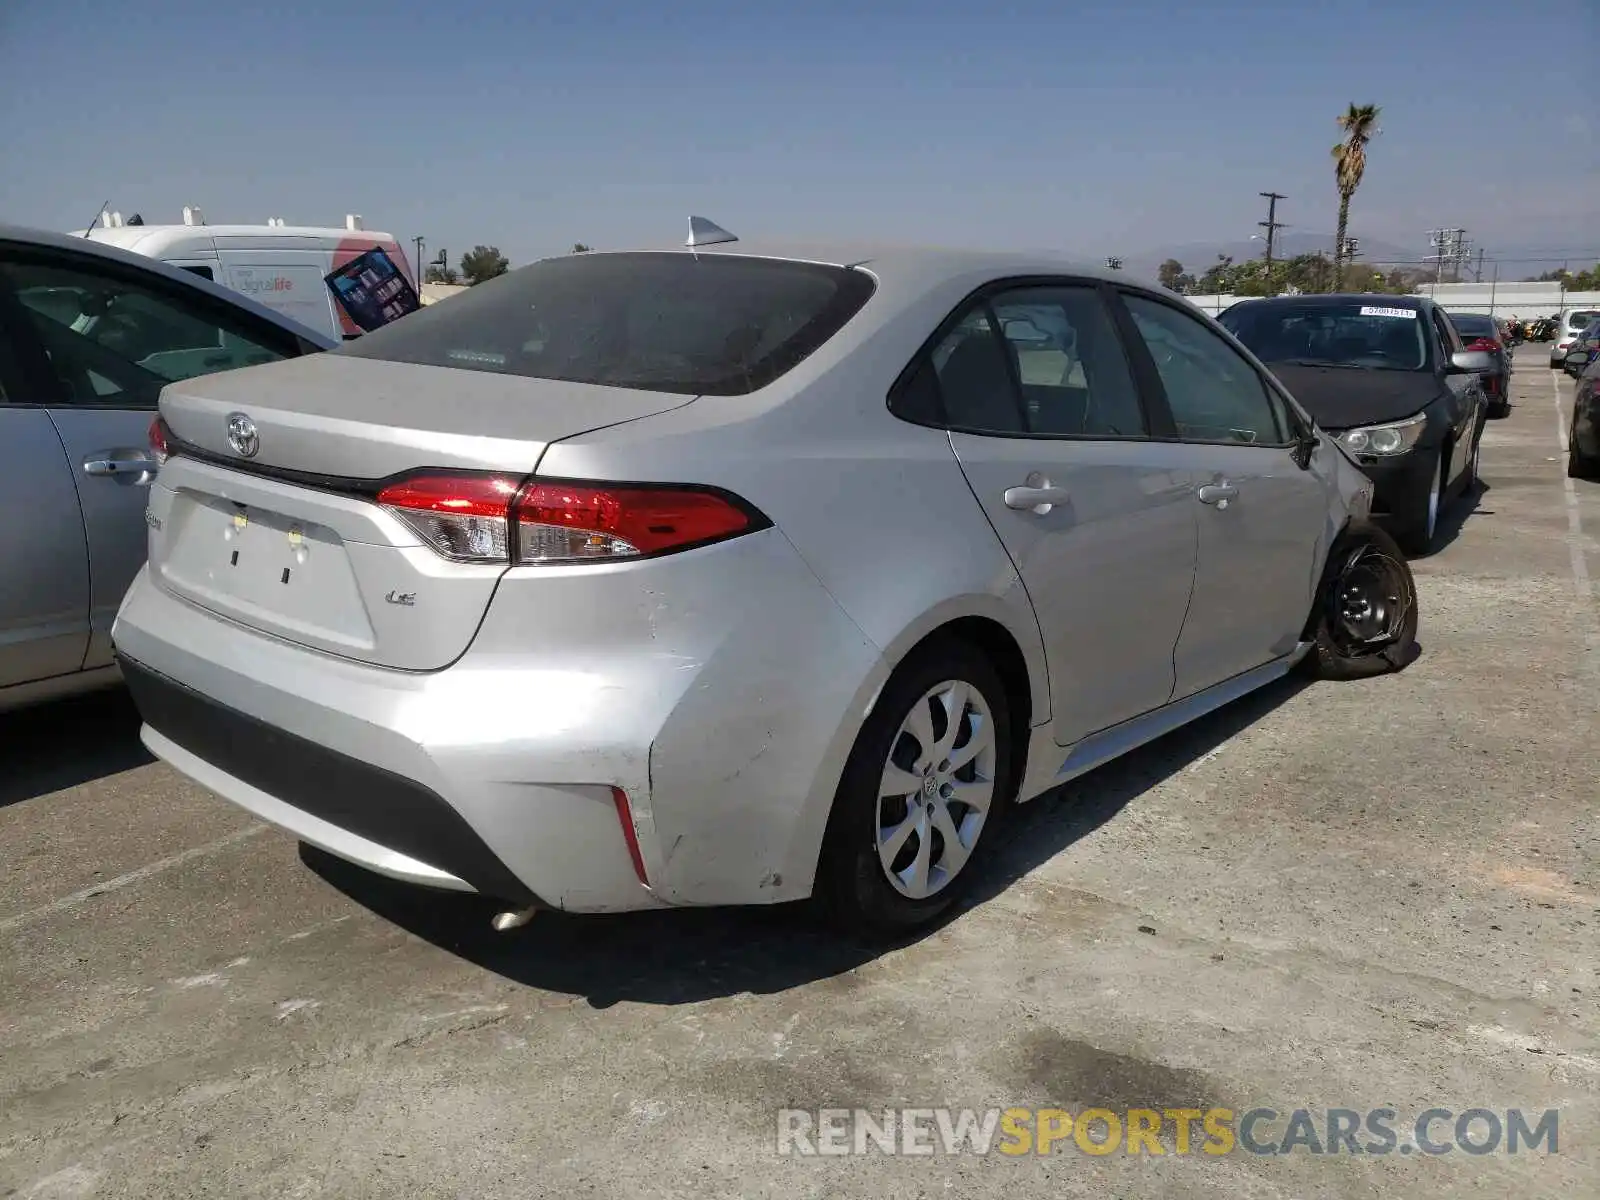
465 518
1486 344
572 522
158 440
625 815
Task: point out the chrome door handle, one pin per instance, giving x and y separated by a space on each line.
1218 494
104 464
1037 499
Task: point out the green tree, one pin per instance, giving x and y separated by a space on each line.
483 263
437 274
581 248
1171 276
1360 125
1218 277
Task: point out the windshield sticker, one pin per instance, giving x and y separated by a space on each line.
1407 314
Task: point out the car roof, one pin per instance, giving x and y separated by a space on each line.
913 266
1317 300
77 244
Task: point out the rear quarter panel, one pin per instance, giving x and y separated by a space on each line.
879 512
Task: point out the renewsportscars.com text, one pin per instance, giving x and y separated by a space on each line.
1212 1131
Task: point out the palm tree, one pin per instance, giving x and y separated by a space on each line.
1360 125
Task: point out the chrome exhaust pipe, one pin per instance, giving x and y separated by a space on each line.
513 919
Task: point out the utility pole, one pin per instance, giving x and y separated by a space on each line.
1450 249
1113 263
1477 275
420 271
1271 224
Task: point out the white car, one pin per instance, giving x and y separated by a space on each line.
1569 325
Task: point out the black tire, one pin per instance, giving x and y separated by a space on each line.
1500 409
852 887
1415 536
1338 649
1469 478
1580 465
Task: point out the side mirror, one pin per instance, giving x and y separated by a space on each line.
1470 362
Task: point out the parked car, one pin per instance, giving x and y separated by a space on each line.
1583 436
1582 350
90 336
1571 323
1486 334
734 576
1391 378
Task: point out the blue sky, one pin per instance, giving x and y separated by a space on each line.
1095 128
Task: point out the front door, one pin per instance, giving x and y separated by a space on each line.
1098 519
1468 403
1263 517
111 336
44 568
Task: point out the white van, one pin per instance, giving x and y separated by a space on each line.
281 266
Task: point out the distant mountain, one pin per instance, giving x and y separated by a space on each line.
1197 256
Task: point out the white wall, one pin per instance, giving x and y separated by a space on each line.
1525 300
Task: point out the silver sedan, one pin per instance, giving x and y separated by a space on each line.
735 575
89 335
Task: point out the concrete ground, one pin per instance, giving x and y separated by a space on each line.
1361 895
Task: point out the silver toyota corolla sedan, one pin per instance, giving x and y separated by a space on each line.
734 575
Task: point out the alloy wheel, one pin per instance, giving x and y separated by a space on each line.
936 789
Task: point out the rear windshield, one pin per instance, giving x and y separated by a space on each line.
1381 336
1579 319
721 325
1466 323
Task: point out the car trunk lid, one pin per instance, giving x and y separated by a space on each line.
291 540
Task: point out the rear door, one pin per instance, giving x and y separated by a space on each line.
1262 515
113 336
1049 427
44 565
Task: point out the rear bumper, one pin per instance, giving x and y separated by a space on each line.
348 807
720 690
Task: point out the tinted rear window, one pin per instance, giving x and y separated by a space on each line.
1476 326
722 325
1579 319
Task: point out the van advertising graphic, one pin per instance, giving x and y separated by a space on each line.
292 288
372 290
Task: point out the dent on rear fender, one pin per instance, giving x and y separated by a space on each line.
743 772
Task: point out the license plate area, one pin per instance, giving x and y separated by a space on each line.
279 574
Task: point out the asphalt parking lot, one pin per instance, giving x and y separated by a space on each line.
1360 895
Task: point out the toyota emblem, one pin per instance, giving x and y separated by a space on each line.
242 435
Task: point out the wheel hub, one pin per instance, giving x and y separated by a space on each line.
936 789
1371 602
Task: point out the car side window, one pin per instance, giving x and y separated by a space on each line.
1071 365
114 341
1449 340
974 379
1214 393
1043 361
